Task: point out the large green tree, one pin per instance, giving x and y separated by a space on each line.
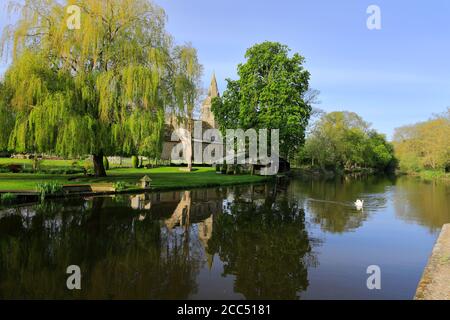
268 94
101 89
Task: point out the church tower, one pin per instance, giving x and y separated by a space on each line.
206 114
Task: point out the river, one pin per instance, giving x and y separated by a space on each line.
294 240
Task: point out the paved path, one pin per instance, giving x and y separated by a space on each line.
435 282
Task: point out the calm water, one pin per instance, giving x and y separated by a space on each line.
296 240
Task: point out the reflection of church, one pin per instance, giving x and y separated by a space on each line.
183 210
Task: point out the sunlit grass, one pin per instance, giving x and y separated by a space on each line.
162 178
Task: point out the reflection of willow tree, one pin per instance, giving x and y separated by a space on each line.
330 202
265 246
427 203
120 256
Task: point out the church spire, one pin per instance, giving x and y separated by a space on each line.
207 116
213 88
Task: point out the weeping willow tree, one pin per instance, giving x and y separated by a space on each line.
6 119
102 89
187 91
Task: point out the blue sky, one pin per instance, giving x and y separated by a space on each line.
393 76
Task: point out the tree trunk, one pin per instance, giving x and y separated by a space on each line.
99 168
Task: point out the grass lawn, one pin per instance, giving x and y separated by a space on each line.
162 178
55 164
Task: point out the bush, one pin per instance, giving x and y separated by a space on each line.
135 162
106 163
224 168
51 188
218 169
4 170
75 164
7 198
15 168
120 186
88 167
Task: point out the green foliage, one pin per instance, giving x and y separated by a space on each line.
268 94
343 140
425 145
120 186
431 175
6 119
7 198
88 168
75 164
135 161
224 168
49 188
106 163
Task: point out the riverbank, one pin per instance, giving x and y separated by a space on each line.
163 178
308 172
429 175
435 282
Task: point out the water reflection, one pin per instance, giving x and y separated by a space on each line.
153 245
264 243
331 203
258 240
427 203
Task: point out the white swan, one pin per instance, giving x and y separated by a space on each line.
359 204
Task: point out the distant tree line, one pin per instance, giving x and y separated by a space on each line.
344 141
424 145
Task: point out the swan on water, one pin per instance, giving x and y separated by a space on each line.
359 204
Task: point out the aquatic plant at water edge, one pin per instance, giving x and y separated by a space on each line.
50 188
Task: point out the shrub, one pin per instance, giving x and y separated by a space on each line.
6 198
88 167
224 168
50 188
135 162
120 186
75 164
106 163
4 170
15 168
218 168
230 169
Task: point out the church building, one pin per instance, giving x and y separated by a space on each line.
206 117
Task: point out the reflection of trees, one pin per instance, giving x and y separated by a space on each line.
427 203
120 256
265 246
330 202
